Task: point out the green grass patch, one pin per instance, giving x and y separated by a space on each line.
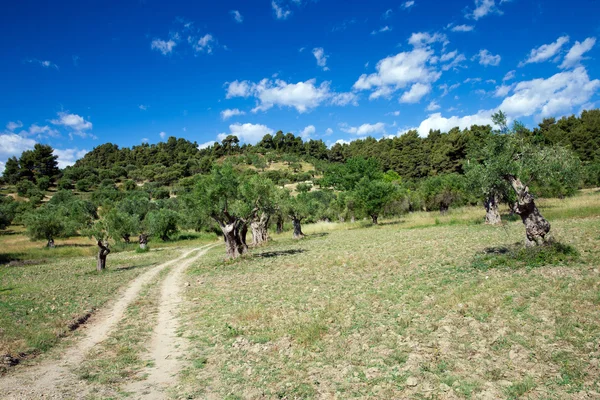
518 256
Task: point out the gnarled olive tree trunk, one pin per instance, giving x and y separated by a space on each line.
279 224
231 235
143 240
50 243
243 231
536 226
297 228
374 218
492 212
260 232
102 253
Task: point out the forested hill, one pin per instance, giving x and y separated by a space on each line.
409 155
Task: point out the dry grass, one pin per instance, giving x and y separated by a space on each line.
390 312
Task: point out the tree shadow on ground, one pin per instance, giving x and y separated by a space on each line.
131 267
8 289
10 259
8 232
496 250
271 254
317 235
385 223
74 245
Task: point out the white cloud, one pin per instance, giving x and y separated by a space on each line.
436 121
206 145
75 122
247 133
239 18
319 54
408 4
364 129
2 165
433 106
483 8
399 71
545 52
307 132
387 14
303 96
343 99
45 64
416 93
549 97
11 126
381 30
502 90
575 55
165 47
67 157
420 39
280 12
486 58
394 113
328 131
239 89
462 28
13 145
143 107
509 76
40 131
204 44
455 59
162 135
226 114
447 89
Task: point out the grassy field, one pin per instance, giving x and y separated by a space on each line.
40 303
402 310
16 247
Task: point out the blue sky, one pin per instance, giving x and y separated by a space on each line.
76 74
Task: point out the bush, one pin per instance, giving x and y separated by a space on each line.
83 185
129 185
43 183
65 184
24 187
160 194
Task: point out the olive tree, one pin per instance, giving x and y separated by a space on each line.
220 197
373 196
523 165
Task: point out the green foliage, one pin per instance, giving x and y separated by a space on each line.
121 225
26 188
161 193
65 184
32 165
83 185
43 183
443 191
45 223
303 187
8 209
162 223
373 195
129 185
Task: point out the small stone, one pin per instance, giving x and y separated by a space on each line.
444 387
412 381
187 284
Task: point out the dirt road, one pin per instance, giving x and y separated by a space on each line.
57 379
